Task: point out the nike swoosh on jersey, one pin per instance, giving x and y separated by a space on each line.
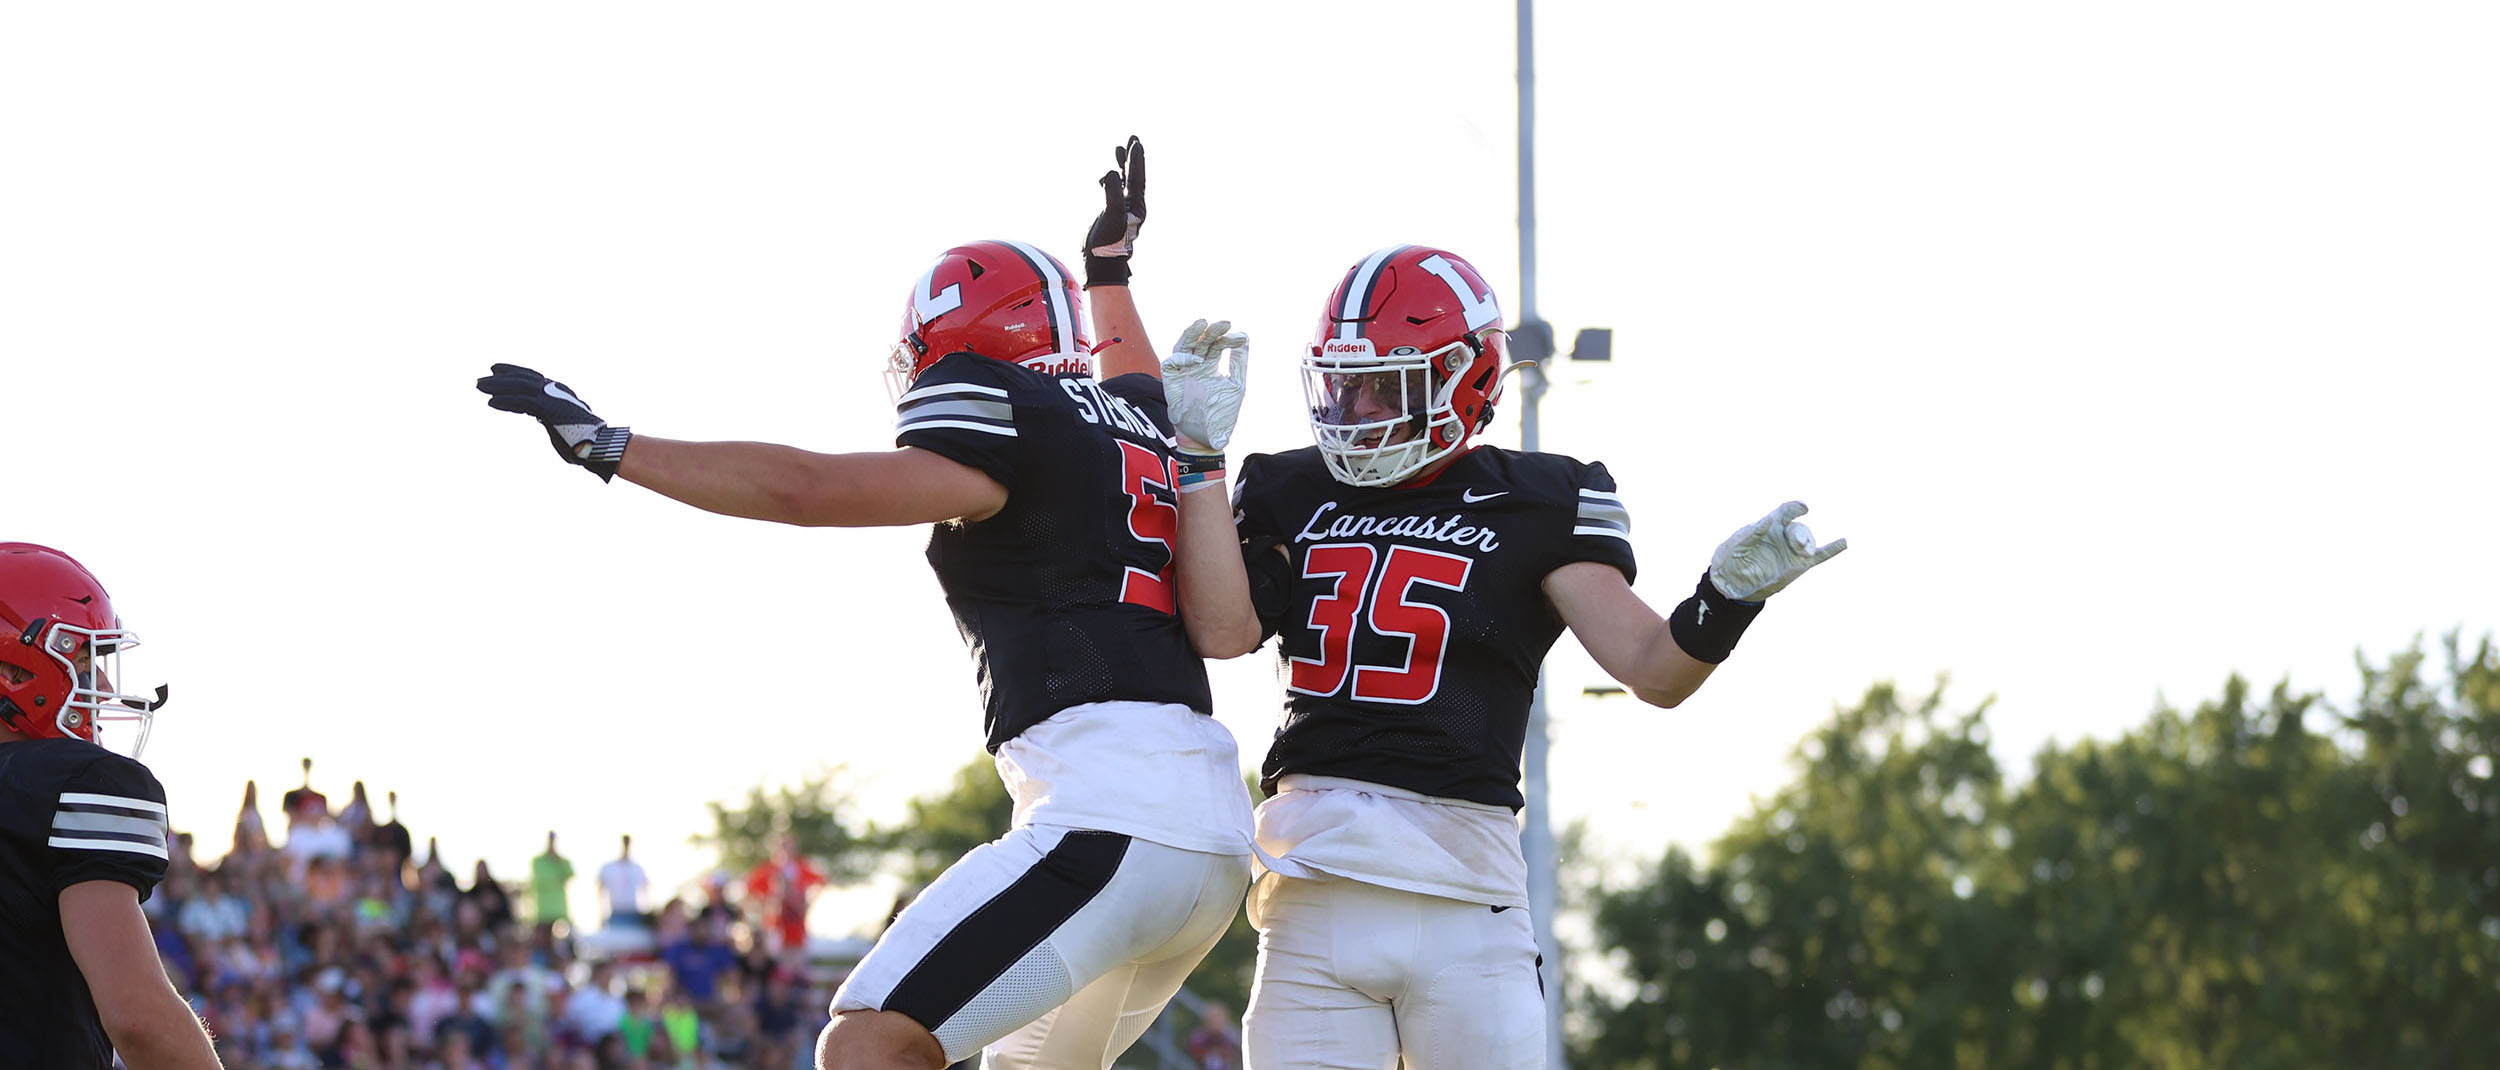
1471 497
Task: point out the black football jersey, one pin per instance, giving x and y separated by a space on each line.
70 812
1065 596
1417 620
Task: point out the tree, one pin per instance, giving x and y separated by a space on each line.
2253 883
938 829
1842 924
812 810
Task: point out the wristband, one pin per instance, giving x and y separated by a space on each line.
1198 471
604 450
1105 271
1708 624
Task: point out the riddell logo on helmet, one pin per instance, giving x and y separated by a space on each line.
1060 364
1347 347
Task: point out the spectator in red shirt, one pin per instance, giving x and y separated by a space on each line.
1215 1044
781 889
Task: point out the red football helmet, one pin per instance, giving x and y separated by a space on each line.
60 645
1407 365
1004 300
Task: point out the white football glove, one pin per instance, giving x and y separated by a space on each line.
1768 554
1203 394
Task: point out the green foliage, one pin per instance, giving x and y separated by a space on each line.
938 829
2253 884
811 810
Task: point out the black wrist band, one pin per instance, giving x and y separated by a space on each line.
1197 471
1105 270
1708 624
607 448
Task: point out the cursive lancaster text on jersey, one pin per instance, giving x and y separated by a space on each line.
1452 529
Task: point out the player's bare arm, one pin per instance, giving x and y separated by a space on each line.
1126 350
756 480
151 1027
1628 638
1214 587
786 485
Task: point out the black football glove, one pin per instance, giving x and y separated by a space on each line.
1114 233
578 434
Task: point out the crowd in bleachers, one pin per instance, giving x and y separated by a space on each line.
342 947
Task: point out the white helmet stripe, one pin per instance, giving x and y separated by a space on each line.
1358 291
1054 286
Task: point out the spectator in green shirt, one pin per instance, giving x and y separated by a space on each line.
549 873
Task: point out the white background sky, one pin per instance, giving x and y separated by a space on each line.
2130 344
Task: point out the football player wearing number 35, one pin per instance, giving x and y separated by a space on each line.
1416 579
1052 493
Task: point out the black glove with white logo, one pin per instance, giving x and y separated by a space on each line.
578 434
1114 233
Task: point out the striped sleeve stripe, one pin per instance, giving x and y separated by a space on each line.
931 425
992 410
91 822
80 799
1602 513
134 826
1608 532
969 406
156 850
949 390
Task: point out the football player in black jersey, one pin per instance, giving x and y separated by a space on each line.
82 837
1417 579
1052 492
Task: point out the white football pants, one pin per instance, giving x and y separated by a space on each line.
1050 947
1353 975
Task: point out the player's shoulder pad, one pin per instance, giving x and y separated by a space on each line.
964 390
84 766
1136 387
1552 477
1286 465
973 368
106 768
1585 487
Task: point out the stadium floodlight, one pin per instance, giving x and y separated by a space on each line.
1532 340
1593 343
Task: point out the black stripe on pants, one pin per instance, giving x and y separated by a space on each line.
1002 931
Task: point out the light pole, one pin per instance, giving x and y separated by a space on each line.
1533 341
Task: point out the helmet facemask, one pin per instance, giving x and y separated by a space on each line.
1378 418
89 661
902 365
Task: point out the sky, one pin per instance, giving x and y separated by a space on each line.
2130 345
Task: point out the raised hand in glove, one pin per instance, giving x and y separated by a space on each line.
1113 236
1768 554
579 435
1204 395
